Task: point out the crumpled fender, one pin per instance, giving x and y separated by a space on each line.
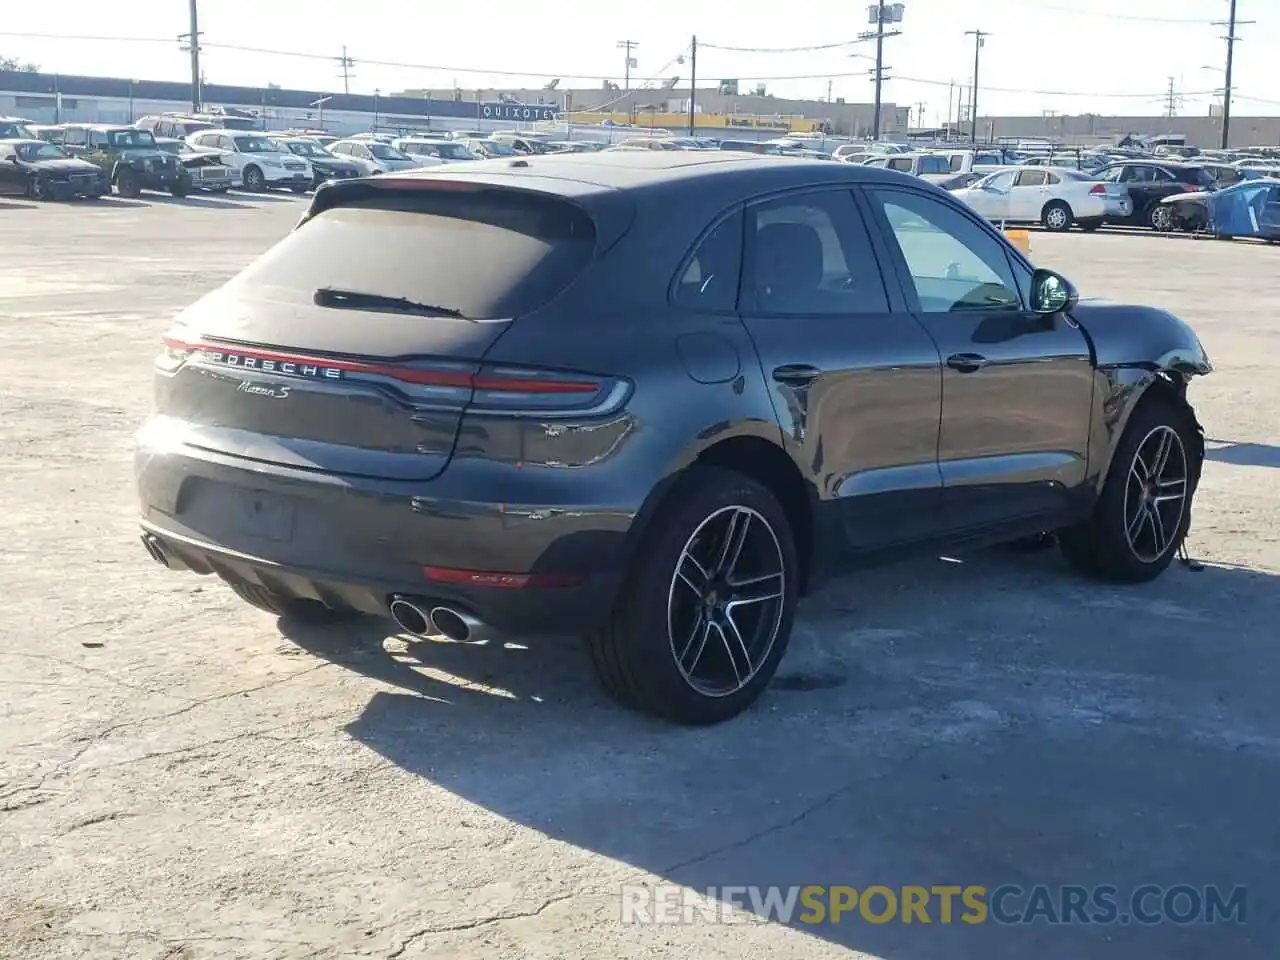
1143 337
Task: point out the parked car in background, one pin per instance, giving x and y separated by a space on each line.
49 133
431 151
929 166
853 365
1057 197
576 146
374 156
1247 209
325 166
129 157
174 126
1225 173
12 128
486 148
1149 182
527 143
258 164
44 171
209 169
467 135
973 161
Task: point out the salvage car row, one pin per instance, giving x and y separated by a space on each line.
92 160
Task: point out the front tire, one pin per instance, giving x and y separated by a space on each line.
290 608
254 181
128 185
180 189
708 607
1144 511
1056 217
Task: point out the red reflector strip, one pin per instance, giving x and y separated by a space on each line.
516 385
510 581
430 378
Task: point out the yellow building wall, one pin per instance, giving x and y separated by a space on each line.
717 121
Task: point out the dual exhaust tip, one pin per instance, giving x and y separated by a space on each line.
155 549
422 620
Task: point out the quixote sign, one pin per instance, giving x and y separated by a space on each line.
528 113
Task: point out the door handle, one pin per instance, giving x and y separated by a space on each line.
796 374
966 362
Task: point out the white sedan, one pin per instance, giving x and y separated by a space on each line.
1054 196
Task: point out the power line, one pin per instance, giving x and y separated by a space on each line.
806 49
399 65
1108 15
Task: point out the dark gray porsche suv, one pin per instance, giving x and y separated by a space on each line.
651 398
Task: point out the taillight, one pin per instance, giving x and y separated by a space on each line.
1098 190
487 388
1191 188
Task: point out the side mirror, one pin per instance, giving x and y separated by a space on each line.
1052 293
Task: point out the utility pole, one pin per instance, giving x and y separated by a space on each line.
693 81
880 13
346 63
193 45
920 105
1231 23
979 39
951 96
627 45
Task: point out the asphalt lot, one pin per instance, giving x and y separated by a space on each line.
180 780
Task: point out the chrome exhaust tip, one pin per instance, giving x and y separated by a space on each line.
458 626
155 550
410 617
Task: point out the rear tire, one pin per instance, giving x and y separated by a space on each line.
1056 217
1118 544
291 608
693 639
1159 217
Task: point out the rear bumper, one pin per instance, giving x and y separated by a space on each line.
533 611
354 543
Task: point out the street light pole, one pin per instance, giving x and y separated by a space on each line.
875 117
979 37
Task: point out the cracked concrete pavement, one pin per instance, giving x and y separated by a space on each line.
184 777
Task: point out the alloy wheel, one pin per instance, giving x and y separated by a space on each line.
1056 219
1161 218
725 602
1155 496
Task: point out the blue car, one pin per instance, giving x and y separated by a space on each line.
1250 208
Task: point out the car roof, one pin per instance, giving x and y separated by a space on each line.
22 141
104 127
739 174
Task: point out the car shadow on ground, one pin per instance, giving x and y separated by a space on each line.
988 722
1242 454
16 205
201 200
268 197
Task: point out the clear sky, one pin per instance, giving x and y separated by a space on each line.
1065 56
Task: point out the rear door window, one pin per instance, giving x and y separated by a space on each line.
1031 178
486 254
710 282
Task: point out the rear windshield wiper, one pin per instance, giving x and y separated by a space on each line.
356 300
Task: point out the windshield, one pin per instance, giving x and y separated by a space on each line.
254 145
174 146
495 149
305 148
384 152
454 151
131 138
40 151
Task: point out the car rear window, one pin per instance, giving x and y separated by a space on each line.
489 254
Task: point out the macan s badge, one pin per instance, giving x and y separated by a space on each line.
263 390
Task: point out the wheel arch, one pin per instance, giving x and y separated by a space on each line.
1134 386
756 454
